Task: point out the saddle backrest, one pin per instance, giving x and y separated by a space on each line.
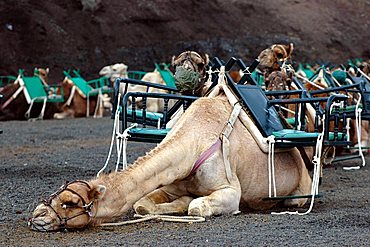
257 104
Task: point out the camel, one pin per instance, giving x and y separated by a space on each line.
14 104
118 70
190 74
166 180
75 105
271 58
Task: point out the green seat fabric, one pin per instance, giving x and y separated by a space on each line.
298 134
83 86
150 115
37 91
294 134
340 76
290 121
35 88
137 75
167 75
350 108
147 131
258 77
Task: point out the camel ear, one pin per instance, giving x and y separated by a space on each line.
47 70
206 59
97 192
173 60
290 49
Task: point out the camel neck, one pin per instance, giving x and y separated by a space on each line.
124 188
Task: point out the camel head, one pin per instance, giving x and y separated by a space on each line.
114 71
71 207
278 81
272 56
42 73
190 72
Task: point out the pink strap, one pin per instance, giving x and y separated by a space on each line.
205 156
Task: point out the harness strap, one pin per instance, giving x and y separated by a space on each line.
71 95
225 139
28 113
205 156
15 95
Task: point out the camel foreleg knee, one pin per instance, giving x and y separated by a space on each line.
224 201
161 202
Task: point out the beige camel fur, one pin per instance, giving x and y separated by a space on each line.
160 182
119 70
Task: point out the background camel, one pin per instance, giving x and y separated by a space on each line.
75 105
14 104
162 181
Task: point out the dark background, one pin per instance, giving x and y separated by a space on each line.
89 34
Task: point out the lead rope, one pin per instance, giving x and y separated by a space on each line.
170 218
316 174
122 146
271 165
358 132
121 141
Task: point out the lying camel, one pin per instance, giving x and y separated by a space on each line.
165 180
14 104
75 105
118 70
190 73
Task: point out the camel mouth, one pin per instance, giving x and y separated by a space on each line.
40 225
43 220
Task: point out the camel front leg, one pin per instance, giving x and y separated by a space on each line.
223 201
162 201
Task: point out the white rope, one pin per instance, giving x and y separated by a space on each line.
362 73
115 124
122 146
308 81
271 165
71 95
299 117
99 104
316 174
183 219
358 132
121 141
28 112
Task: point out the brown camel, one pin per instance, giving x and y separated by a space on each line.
190 74
162 181
14 104
75 105
269 58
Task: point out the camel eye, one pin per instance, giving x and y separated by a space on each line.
69 204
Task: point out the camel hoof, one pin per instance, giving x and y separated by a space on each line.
200 207
142 210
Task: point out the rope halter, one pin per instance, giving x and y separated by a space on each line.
86 208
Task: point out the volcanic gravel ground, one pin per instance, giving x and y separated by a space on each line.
37 157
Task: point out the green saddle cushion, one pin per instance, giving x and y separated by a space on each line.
294 134
340 76
299 134
147 131
82 85
150 115
34 87
290 121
